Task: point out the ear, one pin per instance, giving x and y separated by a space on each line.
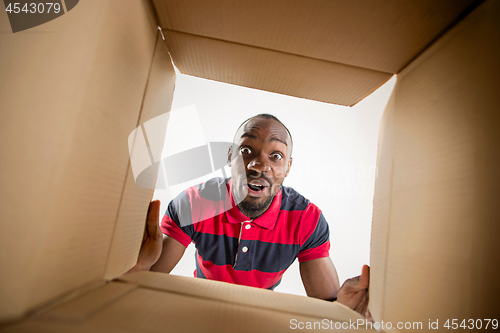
289 166
229 155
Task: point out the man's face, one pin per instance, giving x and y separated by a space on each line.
260 162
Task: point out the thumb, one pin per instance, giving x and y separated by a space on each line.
153 217
364 279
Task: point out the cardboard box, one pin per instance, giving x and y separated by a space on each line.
73 89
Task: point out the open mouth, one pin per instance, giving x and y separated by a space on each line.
257 188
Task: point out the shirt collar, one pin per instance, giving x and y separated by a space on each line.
266 220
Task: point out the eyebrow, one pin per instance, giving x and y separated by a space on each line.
278 139
251 136
248 135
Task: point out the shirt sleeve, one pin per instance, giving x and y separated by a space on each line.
177 222
318 244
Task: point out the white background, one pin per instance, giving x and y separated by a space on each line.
334 158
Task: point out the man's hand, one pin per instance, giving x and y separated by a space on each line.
354 292
151 242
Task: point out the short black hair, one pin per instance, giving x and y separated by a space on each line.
268 116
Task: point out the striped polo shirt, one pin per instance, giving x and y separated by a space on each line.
232 248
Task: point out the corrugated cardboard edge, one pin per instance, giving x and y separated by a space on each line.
272 70
243 295
469 67
130 220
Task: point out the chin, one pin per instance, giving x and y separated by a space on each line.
257 202
253 208
252 202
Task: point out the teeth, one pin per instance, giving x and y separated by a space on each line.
260 187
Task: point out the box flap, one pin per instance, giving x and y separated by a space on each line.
154 115
440 208
81 308
382 36
66 115
148 309
243 295
382 200
273 71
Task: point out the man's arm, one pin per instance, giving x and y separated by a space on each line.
171 253
158 253
320 279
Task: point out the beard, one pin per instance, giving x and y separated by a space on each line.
253 209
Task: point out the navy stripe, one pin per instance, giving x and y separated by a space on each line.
219 249
272 257
213 189
320 235
262 256
182 207
199 272
292 200
183 220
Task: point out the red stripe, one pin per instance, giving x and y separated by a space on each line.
218 226
213 215
315 253
203 209
226 273
170 228
287 229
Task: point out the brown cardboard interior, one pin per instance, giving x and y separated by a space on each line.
129 228
138 309
64 151
243 295
74 216
435 226
331 51
152 302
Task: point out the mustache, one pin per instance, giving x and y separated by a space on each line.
254 175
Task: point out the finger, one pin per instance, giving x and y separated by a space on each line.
153 217
364 279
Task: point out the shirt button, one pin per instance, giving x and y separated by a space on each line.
248 226
244 249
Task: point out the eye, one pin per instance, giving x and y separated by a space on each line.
245 150
277 156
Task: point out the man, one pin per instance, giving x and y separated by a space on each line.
249 229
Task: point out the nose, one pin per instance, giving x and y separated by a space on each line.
259 165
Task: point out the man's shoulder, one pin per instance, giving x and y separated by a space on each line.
293 200
213 189
200 201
